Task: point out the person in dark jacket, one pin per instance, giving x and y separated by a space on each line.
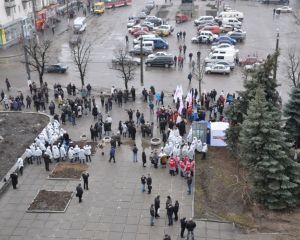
112 154
144 158
170 214
143 182
183 226
176 209
152 213
149 183
190 226
85 177
14 179
157 205
79 192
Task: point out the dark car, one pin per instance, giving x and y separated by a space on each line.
155 20
160 61
238 36
56 68
137 51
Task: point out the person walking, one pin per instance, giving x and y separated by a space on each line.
143 182
144 158
176 209
170 214
135 151
85 177
190 76
20 164
157 206
79 192
14 179
190 57
189 183
175 60
126 39
112 154
184 49
183 35
183 226
149 183
152 215
180 49
190 226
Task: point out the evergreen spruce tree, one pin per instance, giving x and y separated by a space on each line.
265 151
263 76
292 112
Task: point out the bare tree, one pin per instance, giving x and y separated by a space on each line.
81 55
293 67
37 56
198 72
124 65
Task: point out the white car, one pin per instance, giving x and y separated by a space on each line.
222 45
131 23
208 33
284 9
158 54
217 68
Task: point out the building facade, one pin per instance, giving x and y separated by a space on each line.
16 20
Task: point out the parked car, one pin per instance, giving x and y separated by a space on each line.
248 61
160 61
203 19
149 25
215 29
159 54
239 36
208 33
217 68
223 38
200 26
56 68
284 9
131 23
252 67
226 28
163 30
142 15
180 18
134 28
202 39
126 59
155 20
222 45
140 32
225 63
137 51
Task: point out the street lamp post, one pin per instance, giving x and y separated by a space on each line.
199 71
277 55
141 56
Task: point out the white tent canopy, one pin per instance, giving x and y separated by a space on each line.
217 133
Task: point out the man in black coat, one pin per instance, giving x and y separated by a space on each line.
190 226
170 214
79 192
183 226
85 177
149 183
14 179
157 205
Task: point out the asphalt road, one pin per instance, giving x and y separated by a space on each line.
107 34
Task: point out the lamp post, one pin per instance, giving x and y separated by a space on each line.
141 56
277 54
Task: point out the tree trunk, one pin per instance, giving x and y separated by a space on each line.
126 84
41 78
82 79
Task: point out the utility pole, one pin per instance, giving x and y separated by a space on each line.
277 55
25 51
199 71
141 56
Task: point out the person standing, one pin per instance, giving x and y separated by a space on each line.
14 179
112 154
189 183
79 192
183 35
46 161
8 86
162 95
152 215
183 226
190 76
135 151
170 214
126 39
143 182
85 177
176 209
157 205
175 60
190 226
20 165
184 49
144 158
149 183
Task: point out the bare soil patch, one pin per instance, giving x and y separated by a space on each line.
18 131
222 193
68 170
50 201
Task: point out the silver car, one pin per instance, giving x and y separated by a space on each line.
228 64
217 68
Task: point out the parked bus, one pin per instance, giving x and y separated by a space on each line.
116 3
